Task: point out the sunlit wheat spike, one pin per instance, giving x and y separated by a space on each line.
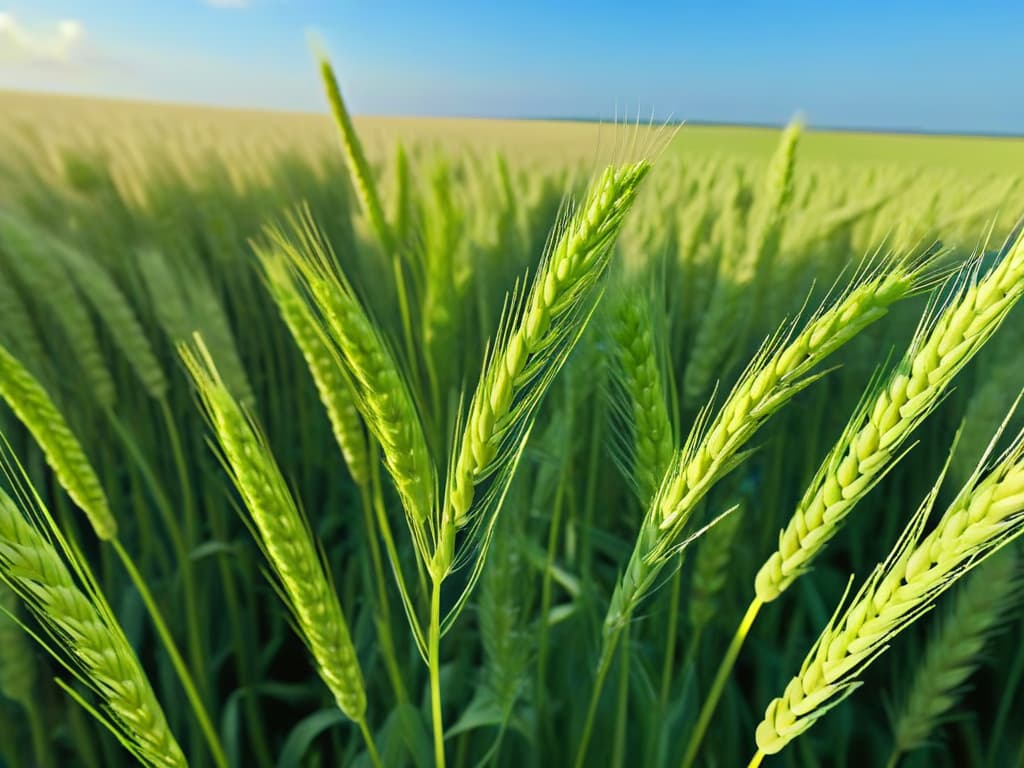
984 515
955 649
85 635
642 378
537 333
873 440
65 455
283 534
333 387
362 175
382 393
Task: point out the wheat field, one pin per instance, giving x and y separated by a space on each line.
423 442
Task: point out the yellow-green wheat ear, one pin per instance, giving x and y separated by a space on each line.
83 632
333 387
537 333
955 649
984 516
382 393
359 166
642 381
283 534
65 455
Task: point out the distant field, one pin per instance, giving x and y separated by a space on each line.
81 117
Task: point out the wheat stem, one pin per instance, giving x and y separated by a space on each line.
180 667
434 666
707 709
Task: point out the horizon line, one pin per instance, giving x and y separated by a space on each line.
697 122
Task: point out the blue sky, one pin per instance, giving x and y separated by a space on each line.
934 65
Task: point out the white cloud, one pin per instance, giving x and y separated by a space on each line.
59 44
228 3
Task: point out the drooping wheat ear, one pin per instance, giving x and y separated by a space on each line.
985 515
954 651
871 444
166 297
77 619
209 316
183 302
331 383
782 368
720 330
362 175
65 455
17 667
19 331
283 534
641 374
45 277
114 309
711 569
536 335
404 214
382 394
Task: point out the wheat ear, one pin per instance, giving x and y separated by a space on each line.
76 617
362 176
331 384
954 651
985 515
382 393
45 277
871 443
34 408
641 376
283 534
115 310
534 342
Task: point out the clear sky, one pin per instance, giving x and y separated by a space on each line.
902 64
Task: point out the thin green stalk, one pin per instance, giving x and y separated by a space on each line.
371 747
590 498
240 634
622 705
197 654
194 698
181 466
755 761
434 663
40 736
707 710
545 603
670 637
383 619
607 654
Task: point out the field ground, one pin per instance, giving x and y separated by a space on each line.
964 154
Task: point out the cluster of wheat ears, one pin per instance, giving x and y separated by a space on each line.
514 484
